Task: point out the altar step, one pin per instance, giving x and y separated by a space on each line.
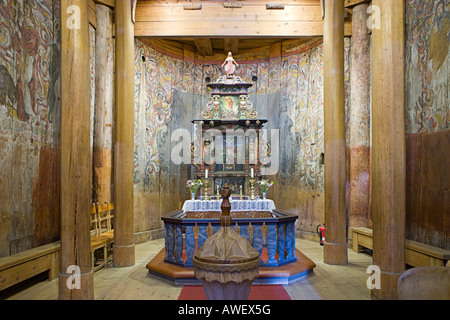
285 274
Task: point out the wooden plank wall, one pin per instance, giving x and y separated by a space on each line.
427 111
428 200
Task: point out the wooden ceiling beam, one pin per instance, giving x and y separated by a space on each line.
212 11
239 29
204 46
231 45
170 19
108 3
352 3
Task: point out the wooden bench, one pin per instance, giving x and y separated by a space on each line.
416 254
24 265
102 237
362 237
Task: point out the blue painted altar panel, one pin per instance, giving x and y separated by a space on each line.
244 232
281 242
169 242
280 238
202 235
271 244
258 240
189 245
290 242
179 244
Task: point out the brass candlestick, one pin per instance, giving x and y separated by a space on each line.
240 193
217 193
252 189
205 189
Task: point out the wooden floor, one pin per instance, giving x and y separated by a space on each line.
133 283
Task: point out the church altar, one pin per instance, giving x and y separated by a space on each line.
236 205
272 234
230 148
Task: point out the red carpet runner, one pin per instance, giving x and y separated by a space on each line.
257 292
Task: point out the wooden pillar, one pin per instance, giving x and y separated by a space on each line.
75 258
359 121
124 136
102 13
388 145
335 246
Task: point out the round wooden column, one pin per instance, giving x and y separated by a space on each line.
124 255
76 280
359 121
102 13
388 145
335 246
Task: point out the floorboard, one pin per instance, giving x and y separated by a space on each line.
133 283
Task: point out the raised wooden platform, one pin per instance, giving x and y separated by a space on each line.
286 274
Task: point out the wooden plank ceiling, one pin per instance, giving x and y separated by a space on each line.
222 26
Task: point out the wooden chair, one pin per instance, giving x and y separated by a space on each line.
106 222
95 227
424 283
105 218
100 243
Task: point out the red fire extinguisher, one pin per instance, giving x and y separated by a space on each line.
321 233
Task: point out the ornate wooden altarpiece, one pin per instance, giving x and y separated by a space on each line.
230 143
227 137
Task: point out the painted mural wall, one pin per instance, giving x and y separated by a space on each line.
167 96
297 110
29 124
427 46
171 91
427 121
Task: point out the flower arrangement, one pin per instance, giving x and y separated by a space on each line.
264 185
193 185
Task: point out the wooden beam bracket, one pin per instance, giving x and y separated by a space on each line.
192 6
204 46
274 6
231 44
353 3
108 3
133 10
228 4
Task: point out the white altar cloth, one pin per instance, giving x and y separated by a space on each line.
236 205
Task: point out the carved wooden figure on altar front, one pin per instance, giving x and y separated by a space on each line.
225 219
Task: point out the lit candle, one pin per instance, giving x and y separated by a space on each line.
240 189
206 173
252 172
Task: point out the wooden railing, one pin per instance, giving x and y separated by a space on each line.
272 236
